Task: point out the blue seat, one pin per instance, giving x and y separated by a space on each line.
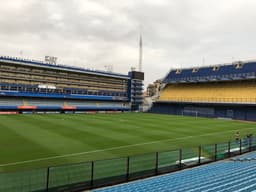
219 176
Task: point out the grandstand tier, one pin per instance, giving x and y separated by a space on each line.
226 91
220 92
33 85
227 72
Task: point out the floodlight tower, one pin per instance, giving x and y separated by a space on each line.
140 54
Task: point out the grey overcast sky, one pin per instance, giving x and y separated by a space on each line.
99 33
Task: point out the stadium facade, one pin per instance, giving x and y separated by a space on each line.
220 91
35 86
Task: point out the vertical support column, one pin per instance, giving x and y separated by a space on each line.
180 159
229 149
250 143
47 178
199 154
215 152
156 171
92 173
240 146
127 168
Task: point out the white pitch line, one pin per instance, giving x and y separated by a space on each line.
109 149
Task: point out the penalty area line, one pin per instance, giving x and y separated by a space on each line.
109 149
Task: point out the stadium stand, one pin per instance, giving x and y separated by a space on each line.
43 102
235 92
10 101
245 157
28 85
226 176
224 91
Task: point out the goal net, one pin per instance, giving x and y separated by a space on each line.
190 113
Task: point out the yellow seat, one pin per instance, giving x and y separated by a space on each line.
230 92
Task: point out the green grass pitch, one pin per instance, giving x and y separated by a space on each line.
33 141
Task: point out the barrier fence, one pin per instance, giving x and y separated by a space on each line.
210 100
89 175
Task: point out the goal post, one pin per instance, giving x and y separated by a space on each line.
189 113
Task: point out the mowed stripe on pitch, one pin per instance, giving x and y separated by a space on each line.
100 136
110 149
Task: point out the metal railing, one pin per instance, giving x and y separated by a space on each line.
210 100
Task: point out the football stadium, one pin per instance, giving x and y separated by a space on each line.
66 128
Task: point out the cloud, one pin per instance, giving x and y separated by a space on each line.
96 33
